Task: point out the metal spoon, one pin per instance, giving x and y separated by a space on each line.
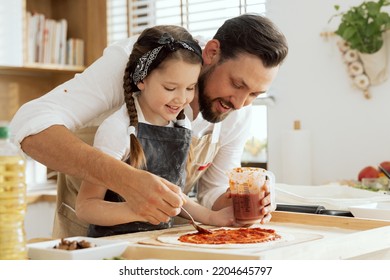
195 225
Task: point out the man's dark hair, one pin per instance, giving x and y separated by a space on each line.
254 34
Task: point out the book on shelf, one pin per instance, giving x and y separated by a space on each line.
75 52
31 38
62 38
47 42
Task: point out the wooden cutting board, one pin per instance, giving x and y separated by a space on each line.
315 237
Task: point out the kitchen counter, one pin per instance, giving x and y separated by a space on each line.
46 192
314 237
41 204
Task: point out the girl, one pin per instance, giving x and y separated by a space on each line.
150 131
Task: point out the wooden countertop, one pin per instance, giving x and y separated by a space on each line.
315 237
43 193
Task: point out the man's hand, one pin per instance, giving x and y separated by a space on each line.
266 207
266 204
152 198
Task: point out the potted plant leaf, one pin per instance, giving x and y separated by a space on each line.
363 28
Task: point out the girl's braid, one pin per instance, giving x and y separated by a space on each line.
137 156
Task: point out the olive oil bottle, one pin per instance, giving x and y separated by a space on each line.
12 199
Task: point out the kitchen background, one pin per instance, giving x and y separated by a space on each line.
347 131
342 130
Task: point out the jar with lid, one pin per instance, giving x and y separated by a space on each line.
12 199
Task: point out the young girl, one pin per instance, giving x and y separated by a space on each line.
150 131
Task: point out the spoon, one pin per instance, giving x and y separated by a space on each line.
387 174
195 225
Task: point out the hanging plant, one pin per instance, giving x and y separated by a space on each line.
362 27
362 31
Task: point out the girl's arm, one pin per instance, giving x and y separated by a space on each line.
223 217
93 209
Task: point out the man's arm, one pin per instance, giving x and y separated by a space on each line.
41 127
148 196
214 182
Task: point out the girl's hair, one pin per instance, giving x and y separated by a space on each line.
154 46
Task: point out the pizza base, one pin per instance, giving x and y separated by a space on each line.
173 238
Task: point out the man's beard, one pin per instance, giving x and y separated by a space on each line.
206 103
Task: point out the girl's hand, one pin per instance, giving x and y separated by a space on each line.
223 217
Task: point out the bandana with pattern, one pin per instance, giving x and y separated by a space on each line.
166 41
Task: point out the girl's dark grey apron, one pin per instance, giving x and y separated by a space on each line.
166 150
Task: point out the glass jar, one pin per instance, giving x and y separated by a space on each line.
12 199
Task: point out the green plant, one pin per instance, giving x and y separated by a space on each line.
362 26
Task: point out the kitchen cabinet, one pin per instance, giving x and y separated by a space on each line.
86 20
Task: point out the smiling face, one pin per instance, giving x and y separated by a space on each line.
232 84
167 90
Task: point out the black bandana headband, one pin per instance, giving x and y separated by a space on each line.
166 42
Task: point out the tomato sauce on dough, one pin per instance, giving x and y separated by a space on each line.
231 236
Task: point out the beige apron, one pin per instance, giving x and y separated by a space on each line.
66 222
205 149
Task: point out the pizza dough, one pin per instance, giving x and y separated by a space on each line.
271 240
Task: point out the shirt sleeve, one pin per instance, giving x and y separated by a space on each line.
235 131
112 137
76 102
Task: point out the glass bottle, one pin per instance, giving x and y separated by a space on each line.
12 199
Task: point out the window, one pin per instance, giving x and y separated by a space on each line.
201 18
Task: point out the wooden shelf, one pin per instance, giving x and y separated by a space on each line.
86 20
41 68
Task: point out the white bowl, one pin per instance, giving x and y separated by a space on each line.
376 210
104 249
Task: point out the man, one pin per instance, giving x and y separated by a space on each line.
240 63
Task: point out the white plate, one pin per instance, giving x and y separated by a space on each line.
377 210
332 196
104 249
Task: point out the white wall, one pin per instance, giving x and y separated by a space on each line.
11 49
348 132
